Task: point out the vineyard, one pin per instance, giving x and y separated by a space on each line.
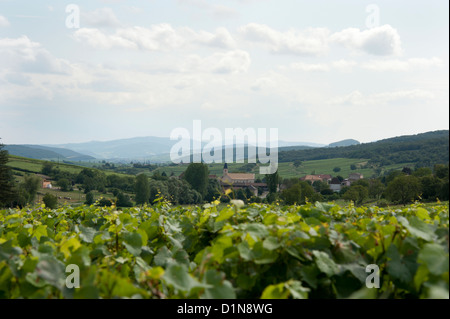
257 251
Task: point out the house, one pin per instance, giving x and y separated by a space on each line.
346 182
236 178
314 178
325 177
46 184
352 177
240 180
335 185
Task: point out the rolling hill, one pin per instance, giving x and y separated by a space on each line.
150 148
425 149
46 153
348 142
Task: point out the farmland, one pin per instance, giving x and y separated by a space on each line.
258 251
288 170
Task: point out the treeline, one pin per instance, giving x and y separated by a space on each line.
423 149
397 187
127 190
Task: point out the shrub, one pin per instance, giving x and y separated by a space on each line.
50 201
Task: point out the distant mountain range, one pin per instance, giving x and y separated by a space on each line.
349 142
155 149
47 153
430 147
151 148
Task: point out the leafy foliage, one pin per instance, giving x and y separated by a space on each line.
258 251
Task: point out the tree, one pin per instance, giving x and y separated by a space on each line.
327 192
422 171
403 189
65 184
376 188
297 163
393 175
362 182
431 187
47 168
441 171
197 176
160 188
89 198
319 186
308 193
6 179
123 200
91 180
240 194
213 190
353 167
29 187
356 193
159 177
105 202
292 195
142 189
50 201
336 169
407 170
272 181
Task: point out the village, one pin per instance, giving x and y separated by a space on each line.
257 188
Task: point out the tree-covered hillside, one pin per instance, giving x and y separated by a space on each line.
424 149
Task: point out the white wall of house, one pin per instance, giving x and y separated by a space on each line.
335 187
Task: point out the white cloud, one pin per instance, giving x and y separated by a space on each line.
18 79
24 55
134 10
159 37
263 84
224 12
215 10
402 65
233 62
312 41
340 65
100 40
4 22
373 65
343 65
383 40
308 67
103 17
357 98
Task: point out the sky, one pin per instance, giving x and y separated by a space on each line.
318 71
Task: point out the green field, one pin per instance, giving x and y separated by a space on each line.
35 166
24 166
285 170
288 170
